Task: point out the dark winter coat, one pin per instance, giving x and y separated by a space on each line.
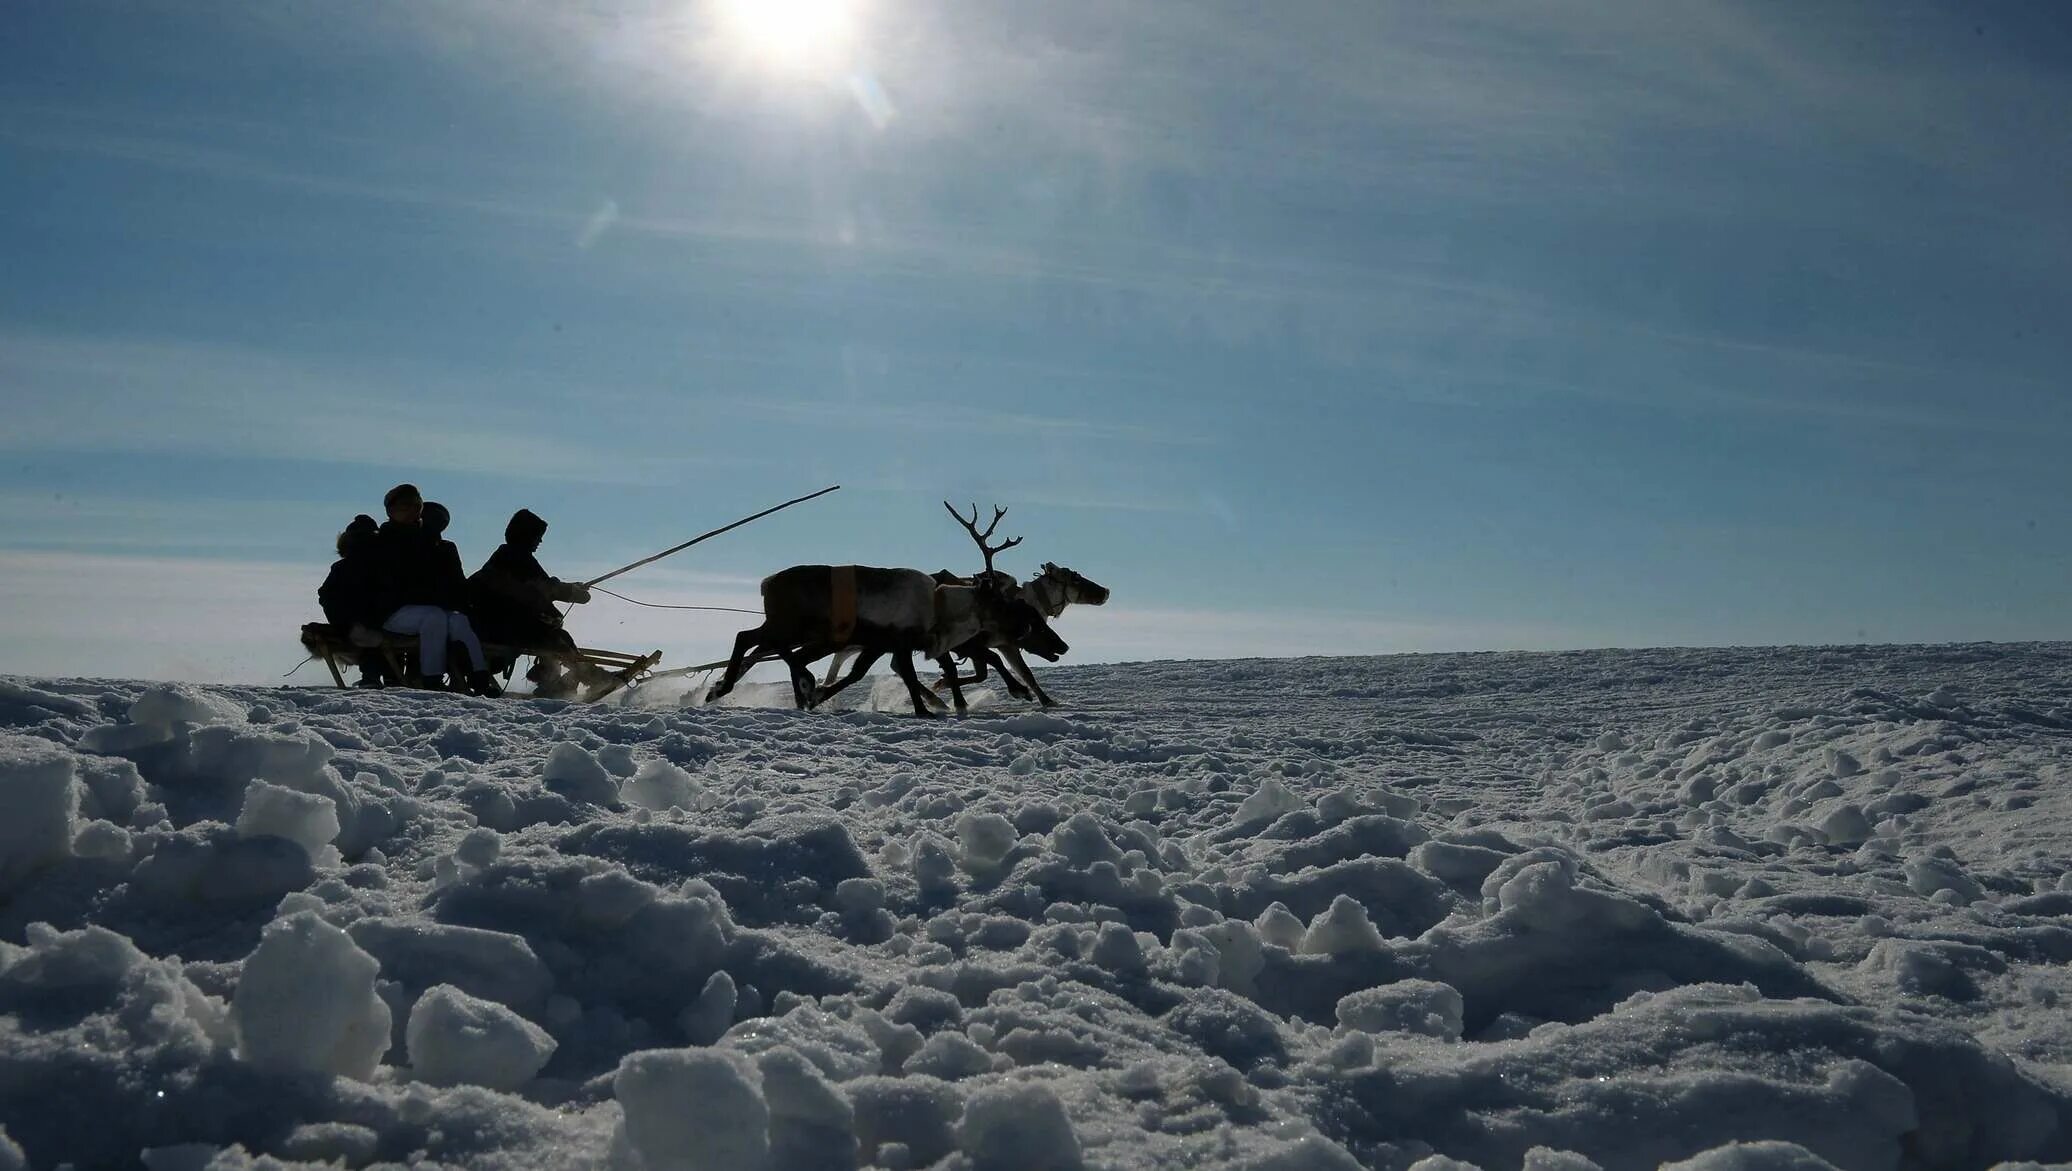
513 596
418 569
353 591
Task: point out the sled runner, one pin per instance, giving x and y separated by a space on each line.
596 673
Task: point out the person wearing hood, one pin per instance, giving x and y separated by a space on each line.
351 596
514 597
413 564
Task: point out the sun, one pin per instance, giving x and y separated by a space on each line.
801 35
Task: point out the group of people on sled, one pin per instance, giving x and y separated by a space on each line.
404 577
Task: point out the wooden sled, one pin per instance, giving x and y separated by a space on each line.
600 672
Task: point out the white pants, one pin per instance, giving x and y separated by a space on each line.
433 627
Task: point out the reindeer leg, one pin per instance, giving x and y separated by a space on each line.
801 676
949 670
951 679
737 665
1007 677
856 670
834 665
903 664
1014 657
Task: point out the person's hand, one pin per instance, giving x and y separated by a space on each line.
578 593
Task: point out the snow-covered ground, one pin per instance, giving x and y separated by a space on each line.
1512 910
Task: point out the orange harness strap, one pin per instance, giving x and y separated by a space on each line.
842 603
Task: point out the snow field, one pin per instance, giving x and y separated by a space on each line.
1741 909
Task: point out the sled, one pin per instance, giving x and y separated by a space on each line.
602 672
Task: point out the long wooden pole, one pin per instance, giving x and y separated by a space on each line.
702 536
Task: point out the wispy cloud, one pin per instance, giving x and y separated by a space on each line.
907 416
129 394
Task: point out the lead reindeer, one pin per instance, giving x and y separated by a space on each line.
1049 592
884 611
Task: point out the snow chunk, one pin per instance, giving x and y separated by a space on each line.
308 820
479 848
660 785
1271 800
1755 1156
986 838
306 1002
1083 841
1932 874
950 1056
11 1157
692 1110
1311 1152
1407 1006
1846 825
708 1017
1342 929
97 967
1552 1159
576 775
1279 926
1018 1128
169 705
493 965
455 1039
41 800
811 1125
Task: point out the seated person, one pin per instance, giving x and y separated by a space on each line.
512 597
351 596
424 597
451 586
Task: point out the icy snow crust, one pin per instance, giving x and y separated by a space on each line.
1741 909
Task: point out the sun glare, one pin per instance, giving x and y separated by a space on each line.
791 34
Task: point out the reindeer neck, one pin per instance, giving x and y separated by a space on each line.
1037 594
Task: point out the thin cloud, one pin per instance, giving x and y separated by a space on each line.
126 394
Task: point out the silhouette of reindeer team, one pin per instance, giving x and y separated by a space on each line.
990 619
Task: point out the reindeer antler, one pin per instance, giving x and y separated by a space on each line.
971 526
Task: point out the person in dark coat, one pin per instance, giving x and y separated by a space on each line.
513 599
425 599
445 581
352 595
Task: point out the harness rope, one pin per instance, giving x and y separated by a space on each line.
666 605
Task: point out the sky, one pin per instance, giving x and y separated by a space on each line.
1329 329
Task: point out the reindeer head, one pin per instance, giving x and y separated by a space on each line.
1025 625
1072 587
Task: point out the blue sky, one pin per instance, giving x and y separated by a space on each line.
1355 327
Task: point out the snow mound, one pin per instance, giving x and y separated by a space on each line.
308 820
1549 911
1018 1128
455 1038
691 1110
41 799
305 1002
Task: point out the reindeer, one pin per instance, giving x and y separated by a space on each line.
897 612
1049 592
